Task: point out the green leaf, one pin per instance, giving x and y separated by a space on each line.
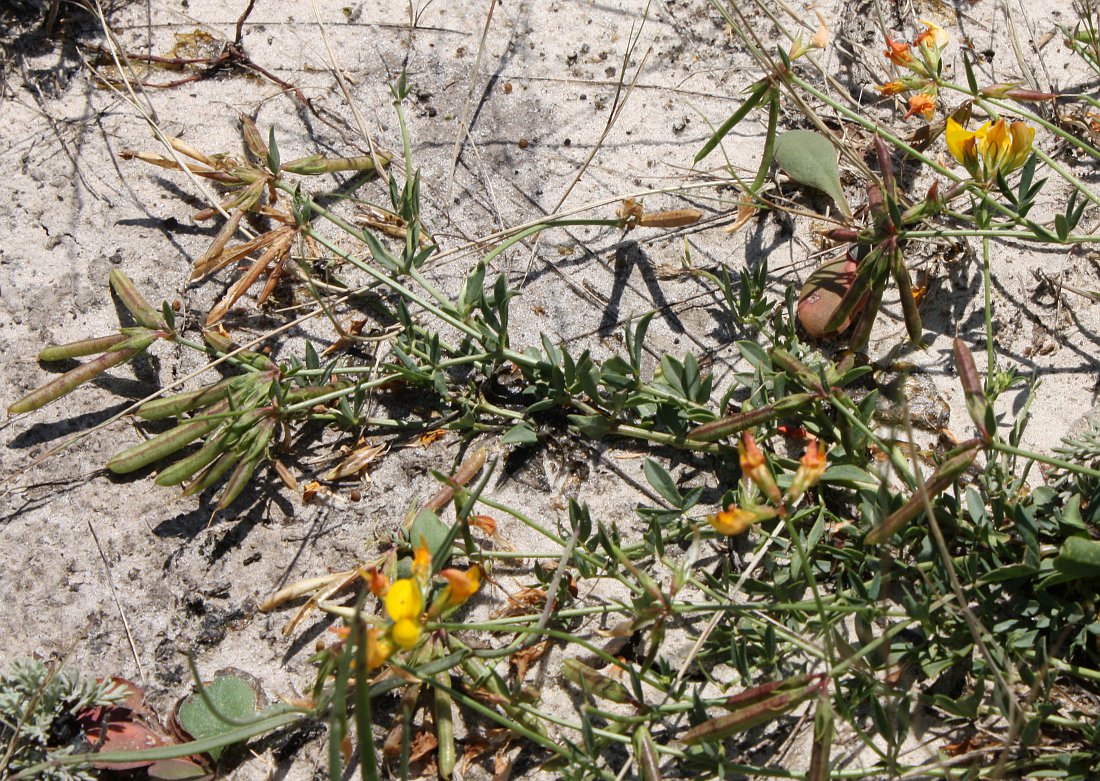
595 426
428 527
594 681
520 434
662 482
1079 558
272 152
233 698
759 90
809 158
850 477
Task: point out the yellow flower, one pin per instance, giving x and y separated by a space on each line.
893 87
932 38
404 600
406 632
995 147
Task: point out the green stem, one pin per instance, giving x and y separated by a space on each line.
1058 462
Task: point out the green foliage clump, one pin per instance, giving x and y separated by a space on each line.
39 709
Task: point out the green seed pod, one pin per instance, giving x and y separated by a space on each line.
178 403
135 302
71 380
913 325
223 345
946 473
78 349
186 468
212 474
167 443
976 403
314 165
788 363
444 728
733 424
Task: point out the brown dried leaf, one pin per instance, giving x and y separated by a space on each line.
357 462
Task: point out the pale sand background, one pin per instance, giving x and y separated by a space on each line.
548 77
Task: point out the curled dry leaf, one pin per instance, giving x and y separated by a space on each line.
356 463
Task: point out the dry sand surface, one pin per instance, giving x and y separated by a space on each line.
126 575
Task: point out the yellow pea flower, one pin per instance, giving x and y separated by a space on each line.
404 599
995 147
406 633
404 603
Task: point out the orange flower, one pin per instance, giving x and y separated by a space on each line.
921 103
422 561
379 649
736 520
933 38
893 87
376 581
898 53
755 466
810 469
460 587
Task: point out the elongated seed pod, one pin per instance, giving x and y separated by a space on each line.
71 380
945 474
212 473
246 466
784 360
186 468
166 443
733 424
646 759
253 138
913 325
973 392
78 349
868 276
861 334
314 165
314 391
178 403
135 302
224 345
672 218
237 482
444 728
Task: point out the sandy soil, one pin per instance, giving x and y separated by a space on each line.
125 575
